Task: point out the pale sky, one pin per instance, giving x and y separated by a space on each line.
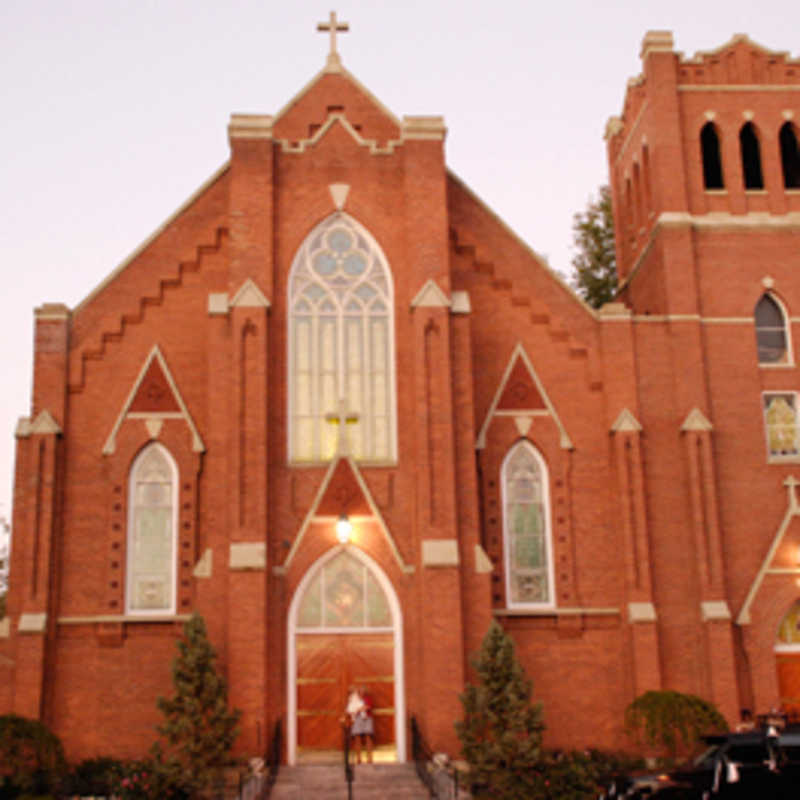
115 112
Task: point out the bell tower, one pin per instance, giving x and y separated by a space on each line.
705 147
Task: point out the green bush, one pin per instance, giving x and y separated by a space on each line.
31 758
673 723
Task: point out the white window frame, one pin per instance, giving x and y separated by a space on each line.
300 262
550 603
171 610
788 360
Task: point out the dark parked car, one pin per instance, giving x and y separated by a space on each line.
789 747
653 784
735 765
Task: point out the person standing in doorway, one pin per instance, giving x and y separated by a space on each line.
362 726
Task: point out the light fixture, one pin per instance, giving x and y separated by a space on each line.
343 529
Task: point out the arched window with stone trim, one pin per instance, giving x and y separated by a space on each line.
344 595
152 532
526 528
751 157
712 160
790 156
341 345
771 337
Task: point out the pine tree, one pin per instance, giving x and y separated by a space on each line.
502 731
198 727
594 266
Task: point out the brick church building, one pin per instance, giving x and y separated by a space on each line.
336 406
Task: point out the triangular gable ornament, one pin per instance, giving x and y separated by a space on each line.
343 490
249 296
521 394
430 296
626 423
45 424
154 397
696 420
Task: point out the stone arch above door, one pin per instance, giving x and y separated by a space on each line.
345 592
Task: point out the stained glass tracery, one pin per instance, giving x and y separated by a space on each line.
526 529
340 329
780 415
151 546
344 594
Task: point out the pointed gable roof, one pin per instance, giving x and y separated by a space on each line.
335 92
154 396
344 491
521 393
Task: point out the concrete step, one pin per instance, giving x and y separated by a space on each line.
371 782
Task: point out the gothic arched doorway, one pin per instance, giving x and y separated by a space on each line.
345 628
787 657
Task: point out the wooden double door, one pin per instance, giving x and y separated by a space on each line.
789 680
327 665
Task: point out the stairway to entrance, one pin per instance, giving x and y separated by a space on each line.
371 782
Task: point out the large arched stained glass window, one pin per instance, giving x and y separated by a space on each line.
526 525
344 594
341 354
151 533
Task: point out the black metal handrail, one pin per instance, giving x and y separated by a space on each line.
274 755
348 767
441 780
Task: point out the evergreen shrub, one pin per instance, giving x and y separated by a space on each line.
501 732
199 730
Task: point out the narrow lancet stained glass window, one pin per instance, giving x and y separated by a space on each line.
341 344
526 525
344 594
151 533
770 331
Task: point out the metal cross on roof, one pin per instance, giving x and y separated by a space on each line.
333 26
